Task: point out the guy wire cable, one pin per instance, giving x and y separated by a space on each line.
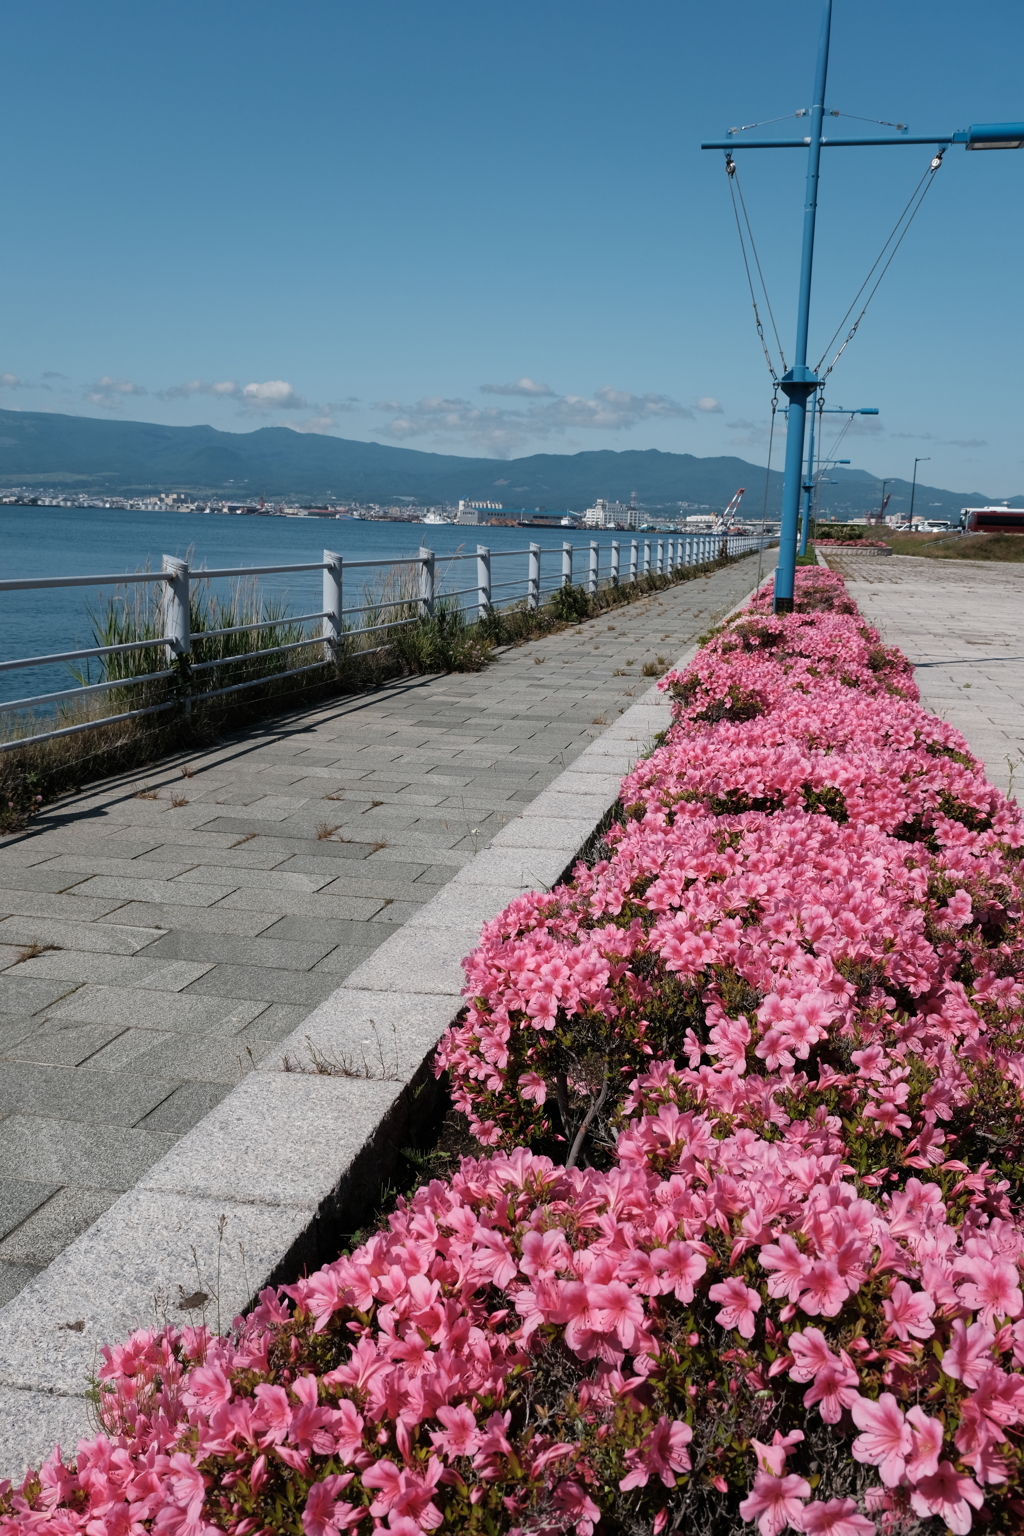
920 195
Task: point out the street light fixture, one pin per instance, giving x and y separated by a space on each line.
924 459
800 383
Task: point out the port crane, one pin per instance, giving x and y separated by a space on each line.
722 521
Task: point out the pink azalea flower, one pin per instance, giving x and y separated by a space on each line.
838 1517
992 1289
887 1441
323 1514
571 1499
969 1352
739 1303
460 1436
909 1312
775 1502
616 1309
927 1437
662 1453
949 1495
680 1267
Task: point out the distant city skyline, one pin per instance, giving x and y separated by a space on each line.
481 231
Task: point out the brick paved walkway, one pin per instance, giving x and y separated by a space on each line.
181 941
961 622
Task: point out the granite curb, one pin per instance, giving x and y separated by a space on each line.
254 1192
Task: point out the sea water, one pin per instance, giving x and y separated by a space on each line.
86 541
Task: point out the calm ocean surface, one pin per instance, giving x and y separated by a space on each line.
61 541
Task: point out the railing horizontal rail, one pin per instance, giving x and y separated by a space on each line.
242 629
270 650
99 650
86 725
198 574
80 692
83 581
254 682
398 602
375 629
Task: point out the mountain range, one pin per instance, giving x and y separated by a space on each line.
133 458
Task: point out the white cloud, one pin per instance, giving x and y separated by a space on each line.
51 374
741 424
966 442
501 431
226 390
524 387
709 404
10 381
111 393
274 395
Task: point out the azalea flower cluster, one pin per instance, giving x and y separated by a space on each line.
741 1248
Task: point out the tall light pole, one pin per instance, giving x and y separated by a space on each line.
881 503
801 382
924 459
808 486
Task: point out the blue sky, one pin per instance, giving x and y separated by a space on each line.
381 219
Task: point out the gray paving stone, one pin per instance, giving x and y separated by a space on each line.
14 1278
166 892
414 952
18 1199
97 1098
43 904
65 1045
233 1154
260 983
56 1151
461 905
23 995
326 932
185 1107
54 1224
101 937
80 965
13 1029
295 954
275 1022
130 1007
191 919
315 904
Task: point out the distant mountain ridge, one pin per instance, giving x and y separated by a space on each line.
127 458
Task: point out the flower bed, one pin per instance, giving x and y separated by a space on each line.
743 1247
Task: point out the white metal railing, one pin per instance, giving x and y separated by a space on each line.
603 564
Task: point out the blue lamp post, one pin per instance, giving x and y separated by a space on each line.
800 382
865 410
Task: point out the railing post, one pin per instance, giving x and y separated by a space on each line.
647 557
427 582
331 623
176 613
615 562
566 565
483 580
632 559
595 555
533 581
661 557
